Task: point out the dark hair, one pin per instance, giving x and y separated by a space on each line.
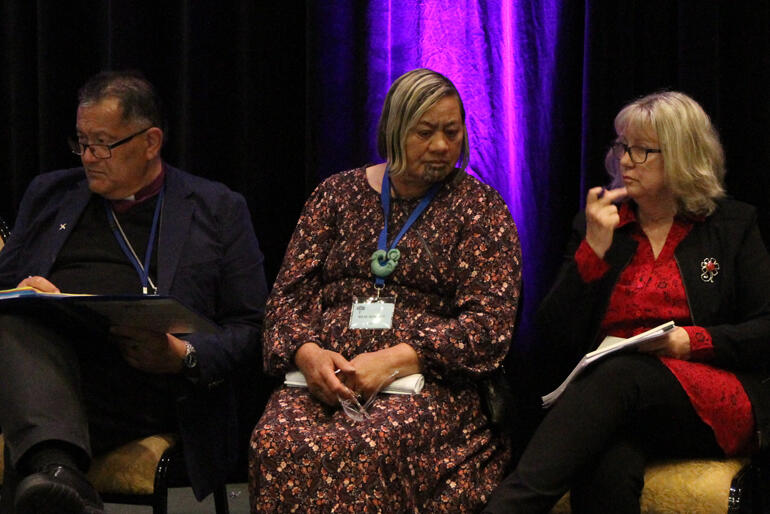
137 96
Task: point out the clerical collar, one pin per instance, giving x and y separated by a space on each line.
147 192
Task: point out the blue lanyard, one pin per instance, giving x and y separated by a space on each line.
142 270
385 259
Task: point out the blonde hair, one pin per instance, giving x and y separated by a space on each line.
693 159
411 96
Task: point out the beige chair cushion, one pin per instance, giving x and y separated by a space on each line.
130 469
675 486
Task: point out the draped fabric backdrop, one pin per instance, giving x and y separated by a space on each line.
542 81
231 74
271 99
502 56
233 81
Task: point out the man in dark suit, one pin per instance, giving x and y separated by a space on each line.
124 223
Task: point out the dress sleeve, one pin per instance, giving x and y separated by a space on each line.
476 340
701 346
294 307
590 266
566 318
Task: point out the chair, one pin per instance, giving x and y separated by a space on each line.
702 486
140 473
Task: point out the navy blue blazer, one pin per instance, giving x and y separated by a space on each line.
208 257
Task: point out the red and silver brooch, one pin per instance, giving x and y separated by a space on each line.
709 268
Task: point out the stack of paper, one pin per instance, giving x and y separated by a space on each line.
607 347
410 384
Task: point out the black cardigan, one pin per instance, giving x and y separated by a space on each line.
734 308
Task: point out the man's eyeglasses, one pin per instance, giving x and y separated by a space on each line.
638 154
100 151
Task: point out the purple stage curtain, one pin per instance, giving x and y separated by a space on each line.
501 57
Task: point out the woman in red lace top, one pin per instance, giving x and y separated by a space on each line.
663 243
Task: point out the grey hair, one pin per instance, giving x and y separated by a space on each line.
137 96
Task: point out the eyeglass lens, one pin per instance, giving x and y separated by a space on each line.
637 153
98 151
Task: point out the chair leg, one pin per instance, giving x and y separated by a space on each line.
160 493
10 481
738 501
220 500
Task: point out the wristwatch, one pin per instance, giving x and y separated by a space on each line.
190 361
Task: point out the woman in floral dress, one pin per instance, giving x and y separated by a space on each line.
454 289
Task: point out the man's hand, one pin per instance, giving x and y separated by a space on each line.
153 352
39 283
674 344
319 367
602 217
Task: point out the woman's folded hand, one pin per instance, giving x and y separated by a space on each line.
323 370
674 344
376 369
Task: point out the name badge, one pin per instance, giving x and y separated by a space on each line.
372 313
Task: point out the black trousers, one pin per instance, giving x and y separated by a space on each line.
597 438
69 383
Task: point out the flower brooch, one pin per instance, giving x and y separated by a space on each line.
709 269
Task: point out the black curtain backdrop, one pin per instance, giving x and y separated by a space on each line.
268 98
716 52
232 76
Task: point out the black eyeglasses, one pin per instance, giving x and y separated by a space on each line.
100 151
638 154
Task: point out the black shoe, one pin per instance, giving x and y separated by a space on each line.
57 490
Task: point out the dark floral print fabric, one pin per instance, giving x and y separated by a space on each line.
456 288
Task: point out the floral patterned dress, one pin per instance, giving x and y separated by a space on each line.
457 289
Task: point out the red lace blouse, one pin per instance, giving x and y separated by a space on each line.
650 292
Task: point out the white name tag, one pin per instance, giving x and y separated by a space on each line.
372 313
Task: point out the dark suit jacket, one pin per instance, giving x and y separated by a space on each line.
734 308
208 258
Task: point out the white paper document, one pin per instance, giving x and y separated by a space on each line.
608 346
410 384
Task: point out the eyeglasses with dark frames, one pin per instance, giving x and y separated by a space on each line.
637 154
100 151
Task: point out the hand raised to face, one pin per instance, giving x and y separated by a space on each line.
602 217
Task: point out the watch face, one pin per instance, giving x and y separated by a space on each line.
191 358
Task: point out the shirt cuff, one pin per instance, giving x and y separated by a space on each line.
590 266
701 345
